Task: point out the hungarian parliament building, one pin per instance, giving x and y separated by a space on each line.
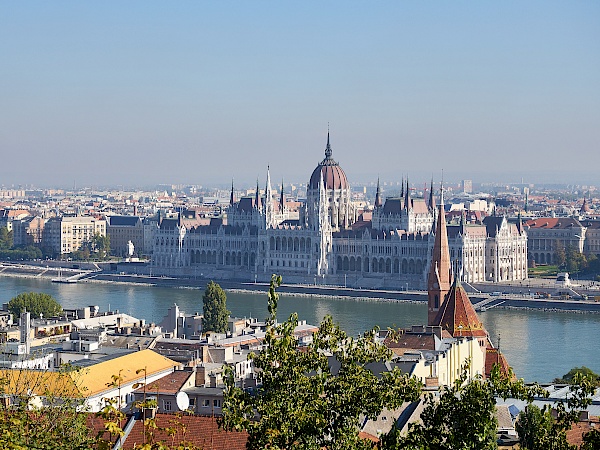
329 239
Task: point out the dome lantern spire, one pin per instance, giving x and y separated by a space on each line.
328 150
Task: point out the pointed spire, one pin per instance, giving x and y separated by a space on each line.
431 199
257 196
378 202
438 279
328 151
402 183
268 183
282 198
268 207
407 204
231 199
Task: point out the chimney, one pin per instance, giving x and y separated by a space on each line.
200 376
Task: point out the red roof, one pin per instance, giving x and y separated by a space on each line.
553 222
169 384
493 357
457 314
201 431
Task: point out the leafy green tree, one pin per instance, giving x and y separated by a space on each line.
591 440
533 426
37 303
214 309
560 254
302 403
462 416
549 430
574 259
571 375
101 245
6 239
27 423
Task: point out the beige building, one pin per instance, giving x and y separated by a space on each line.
546 232
123 229
28 231
435 357
64 235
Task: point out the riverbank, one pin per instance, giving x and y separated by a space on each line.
508 301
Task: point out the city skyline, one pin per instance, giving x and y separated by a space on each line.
142 93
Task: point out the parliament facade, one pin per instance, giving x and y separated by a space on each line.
329 240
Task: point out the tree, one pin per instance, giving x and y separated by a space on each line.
45 410
101 245
462 416
6 239
532 426
548 429
560 255
214 309
570 376
38 304
302 402
39 411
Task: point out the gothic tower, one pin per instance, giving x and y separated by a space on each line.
439 278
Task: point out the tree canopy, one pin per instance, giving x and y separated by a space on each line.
214 309
546 428
302 402
24 424
101 245
569 377
6 238
37 303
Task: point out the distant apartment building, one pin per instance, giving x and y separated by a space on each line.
547 234
28 231
8 216
12 193
68 234
467 186
123 229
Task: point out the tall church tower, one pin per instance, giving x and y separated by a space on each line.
439 278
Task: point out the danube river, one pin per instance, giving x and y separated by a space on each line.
539 345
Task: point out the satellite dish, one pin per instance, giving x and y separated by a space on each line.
183 401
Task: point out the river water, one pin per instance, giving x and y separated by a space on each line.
539 345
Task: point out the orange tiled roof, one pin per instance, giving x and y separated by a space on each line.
578 430
553 222
201 431
492 357
457 314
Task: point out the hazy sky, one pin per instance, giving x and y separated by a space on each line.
200 92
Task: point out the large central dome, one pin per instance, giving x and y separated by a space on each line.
333 175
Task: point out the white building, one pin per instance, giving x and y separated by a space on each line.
327 241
